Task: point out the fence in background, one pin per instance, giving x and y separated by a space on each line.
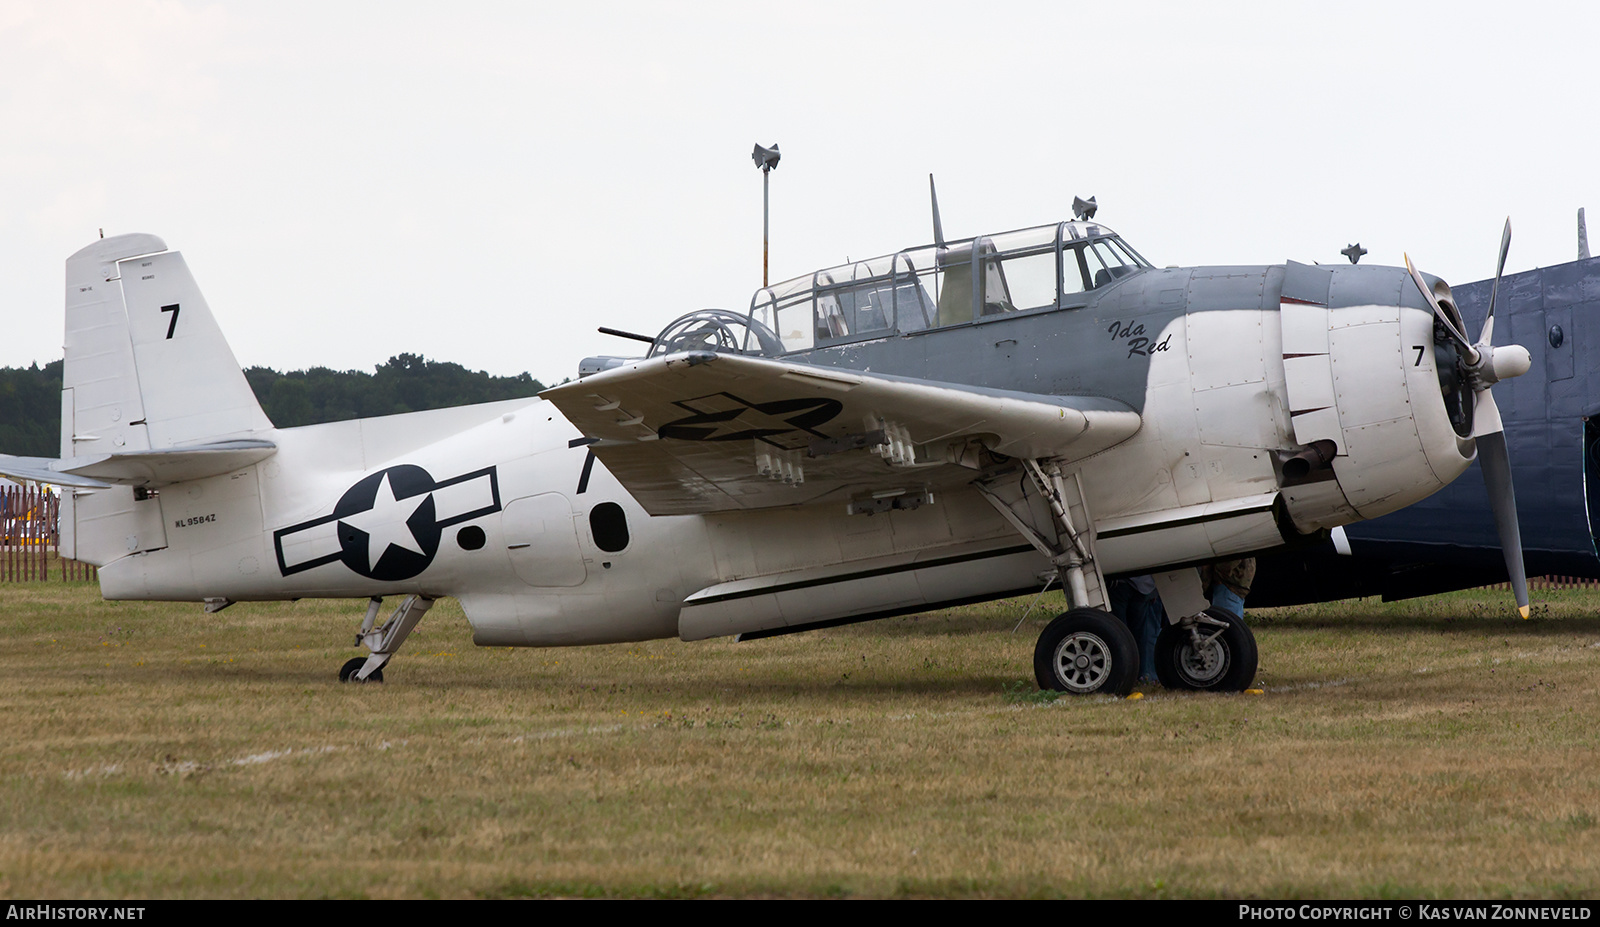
29 542
1557 582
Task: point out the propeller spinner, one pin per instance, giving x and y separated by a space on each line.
1470 369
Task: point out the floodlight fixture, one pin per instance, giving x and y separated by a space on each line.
766 158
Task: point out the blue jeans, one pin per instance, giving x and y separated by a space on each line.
1226 599
1144 617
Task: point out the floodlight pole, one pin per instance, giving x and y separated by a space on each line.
766 213
766 159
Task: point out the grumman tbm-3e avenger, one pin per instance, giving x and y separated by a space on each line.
957 422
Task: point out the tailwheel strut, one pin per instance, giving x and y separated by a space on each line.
383 641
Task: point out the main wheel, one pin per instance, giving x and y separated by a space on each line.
1086 651
347 673
1226 662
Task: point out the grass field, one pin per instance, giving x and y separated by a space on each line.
1436 748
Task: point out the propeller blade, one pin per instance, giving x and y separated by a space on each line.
1487 335
1438 310
1486 415
1488 429
1496 464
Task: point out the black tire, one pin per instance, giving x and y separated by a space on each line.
1086 651
1231 667
347 673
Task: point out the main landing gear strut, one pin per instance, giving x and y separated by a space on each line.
382 642
1087 650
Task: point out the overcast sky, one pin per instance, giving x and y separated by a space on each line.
486 182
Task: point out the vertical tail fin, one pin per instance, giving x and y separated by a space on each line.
145 361
146 368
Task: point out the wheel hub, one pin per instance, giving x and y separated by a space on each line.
1083 661
1204 663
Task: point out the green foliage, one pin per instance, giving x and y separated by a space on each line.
30 398
1026 692
30 410
404 383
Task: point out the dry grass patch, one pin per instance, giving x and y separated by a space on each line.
1429 748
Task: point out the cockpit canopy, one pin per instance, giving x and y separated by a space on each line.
960 282
715 330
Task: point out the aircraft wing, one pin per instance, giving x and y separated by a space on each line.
705 432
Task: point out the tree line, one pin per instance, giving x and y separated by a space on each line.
30 397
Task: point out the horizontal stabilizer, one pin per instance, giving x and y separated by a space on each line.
39 470
149 469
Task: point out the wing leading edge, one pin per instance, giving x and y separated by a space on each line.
702 432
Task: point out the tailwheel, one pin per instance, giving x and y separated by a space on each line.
347 673
1086 651
1211 652
384 640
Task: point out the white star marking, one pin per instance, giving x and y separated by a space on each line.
385 522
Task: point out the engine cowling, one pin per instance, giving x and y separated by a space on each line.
1366 369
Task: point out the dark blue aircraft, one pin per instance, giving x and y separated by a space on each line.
1552 426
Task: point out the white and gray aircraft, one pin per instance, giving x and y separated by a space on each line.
958 422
